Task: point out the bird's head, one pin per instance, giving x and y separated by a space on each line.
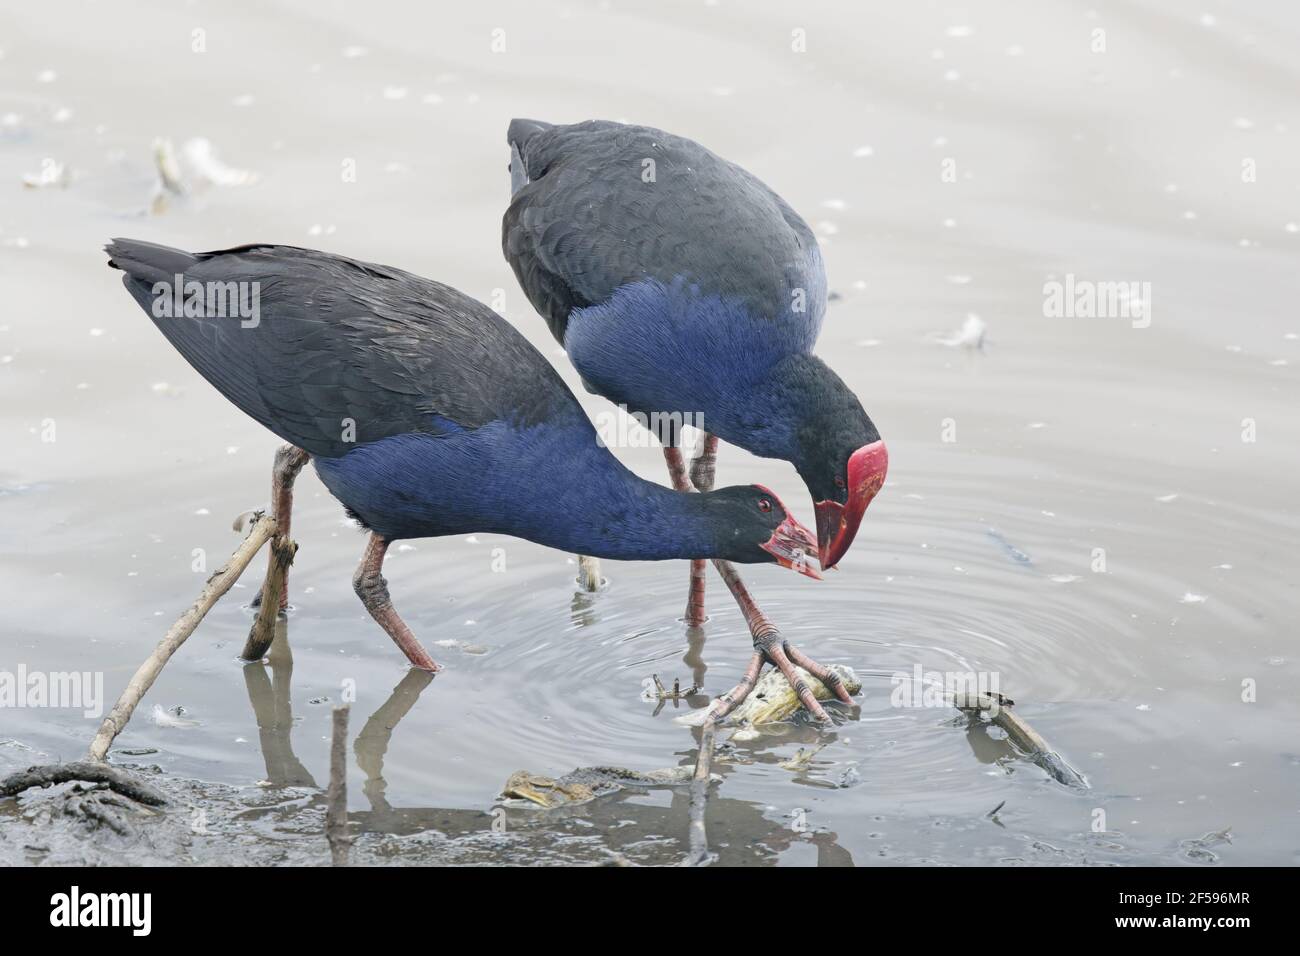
844 465
752 526
813 419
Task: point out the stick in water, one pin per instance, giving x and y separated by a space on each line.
262 632
289 461
698 854
87 771
588 573
221 581
336 805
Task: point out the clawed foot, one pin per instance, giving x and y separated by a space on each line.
785 657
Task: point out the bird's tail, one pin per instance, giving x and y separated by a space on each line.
519 134
148 262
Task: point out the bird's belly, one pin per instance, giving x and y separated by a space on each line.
499 478
410 486
657 348
387 507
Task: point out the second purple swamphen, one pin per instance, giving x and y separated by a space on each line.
427 414
680 284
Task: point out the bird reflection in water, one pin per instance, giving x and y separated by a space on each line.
632 823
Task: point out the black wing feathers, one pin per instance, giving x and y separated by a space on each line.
607 204
345 349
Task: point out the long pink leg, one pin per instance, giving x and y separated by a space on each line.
768 643
770 646
371 587
695 615
705 465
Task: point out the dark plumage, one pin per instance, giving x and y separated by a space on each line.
426 413
405 354
594 216
678 282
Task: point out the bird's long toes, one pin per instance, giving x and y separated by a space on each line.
778 656
823 673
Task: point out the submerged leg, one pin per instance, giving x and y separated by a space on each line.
371 587
588 573
768 643
695 595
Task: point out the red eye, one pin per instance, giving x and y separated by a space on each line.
839 482
765 505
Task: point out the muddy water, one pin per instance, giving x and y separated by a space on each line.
1074 508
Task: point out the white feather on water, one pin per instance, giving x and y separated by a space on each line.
170 720
969 336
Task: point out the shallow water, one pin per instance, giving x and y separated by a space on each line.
1071 434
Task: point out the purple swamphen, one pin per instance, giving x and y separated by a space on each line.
426 414
679 284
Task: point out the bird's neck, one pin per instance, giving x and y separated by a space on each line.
585 501
795 403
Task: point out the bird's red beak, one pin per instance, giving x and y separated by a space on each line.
838 523
792 545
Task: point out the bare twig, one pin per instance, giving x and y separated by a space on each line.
262 632
85 770
698 853
336 806
289 461
998 707
663 693
218 584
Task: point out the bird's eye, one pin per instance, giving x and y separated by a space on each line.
839 482
765 505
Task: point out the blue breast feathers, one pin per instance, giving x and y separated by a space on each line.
551 483
461 481
671 348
